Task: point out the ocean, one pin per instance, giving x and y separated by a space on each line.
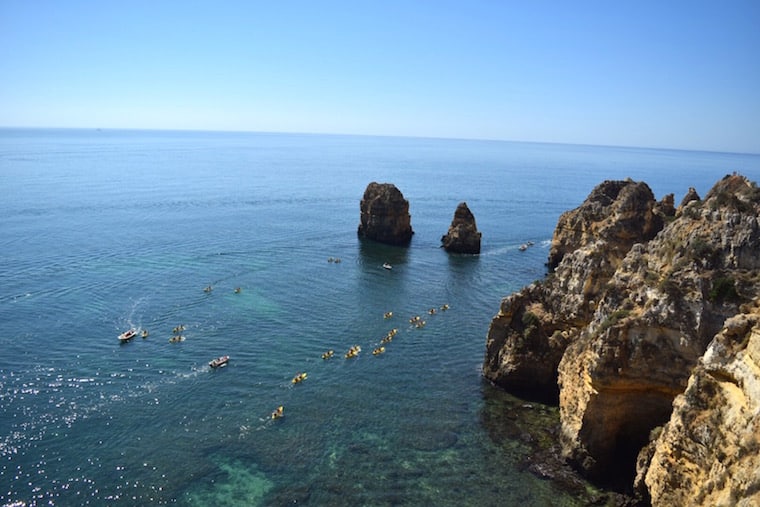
106 230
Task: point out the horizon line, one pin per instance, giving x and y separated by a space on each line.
398 136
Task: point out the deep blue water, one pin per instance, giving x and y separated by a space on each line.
104 230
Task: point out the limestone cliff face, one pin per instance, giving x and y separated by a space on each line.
529 335
620 213
664 304
709 451
463 235
627 314
384 215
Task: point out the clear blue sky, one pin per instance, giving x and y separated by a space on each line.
666 73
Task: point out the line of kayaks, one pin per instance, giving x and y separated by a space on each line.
132 332
300 377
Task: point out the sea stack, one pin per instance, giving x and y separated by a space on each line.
385 215
646 332
463 236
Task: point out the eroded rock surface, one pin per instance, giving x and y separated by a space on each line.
384 215
690 196
619 213
625 317
463 235
529 335
709 451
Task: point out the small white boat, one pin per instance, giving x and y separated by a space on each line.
219 361
128 335
387 266
525 245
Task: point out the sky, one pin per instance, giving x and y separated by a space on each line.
663 74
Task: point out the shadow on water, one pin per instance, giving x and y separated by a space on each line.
463 271
373 254
460 262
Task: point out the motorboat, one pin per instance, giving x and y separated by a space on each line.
128 335
526 245
219 361
387 266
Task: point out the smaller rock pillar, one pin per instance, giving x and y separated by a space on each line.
463 236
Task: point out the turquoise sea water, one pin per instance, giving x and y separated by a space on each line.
105 230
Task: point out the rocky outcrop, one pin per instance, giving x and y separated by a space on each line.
709 451
620 213
690 196
385 215
463 236
529 335
627 314
666 206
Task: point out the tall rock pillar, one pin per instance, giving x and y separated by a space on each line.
385 215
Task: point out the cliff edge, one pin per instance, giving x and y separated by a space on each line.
637 294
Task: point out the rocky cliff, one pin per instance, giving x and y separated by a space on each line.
533 328
709 451
463 235
384 215
637 294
